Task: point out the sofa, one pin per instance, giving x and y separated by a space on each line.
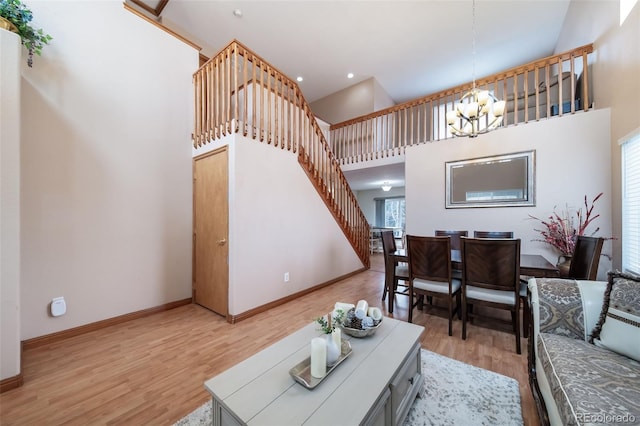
584 350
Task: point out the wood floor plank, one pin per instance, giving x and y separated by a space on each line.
152 370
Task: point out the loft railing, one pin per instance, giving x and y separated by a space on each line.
237 91
548 87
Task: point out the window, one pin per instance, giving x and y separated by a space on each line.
631 203
390 212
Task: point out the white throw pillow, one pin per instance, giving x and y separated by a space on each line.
618 328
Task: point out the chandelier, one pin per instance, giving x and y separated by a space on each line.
478 111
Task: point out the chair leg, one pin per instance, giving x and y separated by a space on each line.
420 302
517 315
450 315
464 318
459 306
392 295
410 307
526 312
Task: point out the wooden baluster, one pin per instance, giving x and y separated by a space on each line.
229 94
277 96
526 94
560 98
573 85
254 83
245 85
196 133
547 85
537 93
236 93
217 94
585 83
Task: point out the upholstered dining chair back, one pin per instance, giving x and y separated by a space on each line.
492 234
586 258
430 274
455 237
429 258
388 242
394 272
491 277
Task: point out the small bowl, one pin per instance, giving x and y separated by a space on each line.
361 333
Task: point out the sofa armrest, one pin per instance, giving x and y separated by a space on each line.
565 306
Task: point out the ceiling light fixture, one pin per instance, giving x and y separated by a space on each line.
299 79
237 13
478 111
350 75
386 187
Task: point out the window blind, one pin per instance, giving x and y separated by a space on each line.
631 205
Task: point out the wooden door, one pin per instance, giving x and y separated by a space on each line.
210 229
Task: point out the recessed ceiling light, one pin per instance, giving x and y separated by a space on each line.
299 78
350 75
237 13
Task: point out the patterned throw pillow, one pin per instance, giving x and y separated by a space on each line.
618 327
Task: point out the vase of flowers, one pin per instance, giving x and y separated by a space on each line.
561 229
329 326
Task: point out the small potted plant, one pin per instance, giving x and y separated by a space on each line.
16 17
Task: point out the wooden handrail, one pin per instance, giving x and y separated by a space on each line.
238 91
533 91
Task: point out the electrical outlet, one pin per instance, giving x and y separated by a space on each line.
286 277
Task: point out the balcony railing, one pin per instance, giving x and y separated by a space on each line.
545 88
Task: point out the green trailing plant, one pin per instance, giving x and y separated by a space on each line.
329 323
21 16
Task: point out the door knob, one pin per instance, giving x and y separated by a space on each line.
222 242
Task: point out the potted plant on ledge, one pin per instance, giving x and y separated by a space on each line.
15 16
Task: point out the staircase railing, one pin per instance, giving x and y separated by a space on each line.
548 87
237 91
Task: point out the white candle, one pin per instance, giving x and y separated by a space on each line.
361 309
318 357
375 313
343 306
336 334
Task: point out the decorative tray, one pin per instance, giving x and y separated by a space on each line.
360 333
302 372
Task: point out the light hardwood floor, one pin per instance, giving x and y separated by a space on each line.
152 370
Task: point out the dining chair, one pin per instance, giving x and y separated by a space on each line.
394 271
586 258
430 273
491 277
455 237
492 234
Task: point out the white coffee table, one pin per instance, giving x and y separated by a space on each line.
375 385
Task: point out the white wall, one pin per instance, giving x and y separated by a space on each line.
572 160
10 60
359 99
277 223
615 78
106 166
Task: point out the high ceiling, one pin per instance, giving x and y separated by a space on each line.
412 48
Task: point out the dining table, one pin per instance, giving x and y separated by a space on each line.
532 265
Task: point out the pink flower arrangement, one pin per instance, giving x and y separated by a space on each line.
560 230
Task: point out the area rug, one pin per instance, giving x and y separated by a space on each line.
455 394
